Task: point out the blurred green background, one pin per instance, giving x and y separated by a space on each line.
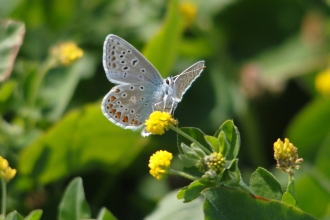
262 59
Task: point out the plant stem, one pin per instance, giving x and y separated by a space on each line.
177 130
245 187
4 196
183 174
49 63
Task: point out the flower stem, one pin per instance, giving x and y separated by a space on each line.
177 130
183 174
48 64
4 196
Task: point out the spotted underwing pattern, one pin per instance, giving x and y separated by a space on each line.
140 88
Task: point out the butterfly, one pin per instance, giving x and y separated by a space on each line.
141 89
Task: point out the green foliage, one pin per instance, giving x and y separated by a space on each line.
80 145
11 38
263 196
73 205
233 204
261 71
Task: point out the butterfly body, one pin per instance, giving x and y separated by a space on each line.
141 89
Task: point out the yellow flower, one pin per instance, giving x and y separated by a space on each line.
189 11
158 122
215 162
3 163
8 174
322 82
67 53
159 164
286 155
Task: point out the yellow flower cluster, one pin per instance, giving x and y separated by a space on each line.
158 122
67 53
322 82
189 11
215 162
6 172
286 155
159 164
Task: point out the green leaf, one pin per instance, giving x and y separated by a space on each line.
6 90
225 203
162 50
311 118
233 137
289 199
223 144
73 205
264 184
105 214
213 142
322 157
193 171
189 152
170 207
195 188
231 176
11 39
313 190
293 57
196 134
187 162
34 215
60 91
78 142
292 193
14 215
181 193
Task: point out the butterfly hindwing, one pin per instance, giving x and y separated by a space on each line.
128 106
125 64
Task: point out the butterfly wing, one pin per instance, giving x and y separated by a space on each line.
183 81
129 105
125 64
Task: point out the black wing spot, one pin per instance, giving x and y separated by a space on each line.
121 56
125 75
132 111
122 62
125 68
142 98
134 62
119 102
113 52
123 52
131 87
141 88
124 95
129 51
143 70
113 47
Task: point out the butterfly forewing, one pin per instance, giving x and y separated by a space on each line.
129 105
124 64
183 81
